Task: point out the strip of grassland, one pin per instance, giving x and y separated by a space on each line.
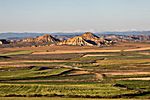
78 90
54 98
27 73
13 53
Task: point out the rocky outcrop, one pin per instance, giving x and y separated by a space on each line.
78 40
42 39
86 39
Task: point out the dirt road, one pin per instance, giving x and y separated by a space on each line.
143 78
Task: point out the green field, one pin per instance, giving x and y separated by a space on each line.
23 52
53 98
68 90
30 72
74 76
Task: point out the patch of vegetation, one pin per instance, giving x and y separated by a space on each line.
114 56
85 77
129 76
78 90
127 61
27 73
136 84
52 98
48 56
13 53
143 86
57 79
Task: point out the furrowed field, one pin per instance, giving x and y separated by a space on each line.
67 76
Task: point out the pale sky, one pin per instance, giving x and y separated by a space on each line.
74 15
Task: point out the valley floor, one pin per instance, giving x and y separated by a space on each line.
71 72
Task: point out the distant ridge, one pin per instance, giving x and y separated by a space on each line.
77 39
14 35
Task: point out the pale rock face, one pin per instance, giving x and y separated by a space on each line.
76 41
92 37
86 39
28 40
46 38
42 39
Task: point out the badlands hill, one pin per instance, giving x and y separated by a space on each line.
86 39
42 39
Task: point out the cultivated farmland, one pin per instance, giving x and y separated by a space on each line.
98 75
